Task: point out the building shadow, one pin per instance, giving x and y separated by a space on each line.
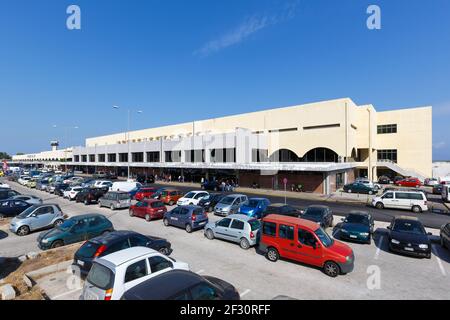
8 266
3 234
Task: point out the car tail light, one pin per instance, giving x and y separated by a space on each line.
252 235
194 217
99 251
108 294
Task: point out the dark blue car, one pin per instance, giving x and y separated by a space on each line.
188 217
255 207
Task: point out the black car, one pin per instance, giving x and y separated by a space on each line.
212 185
445 236
282 209
209 202
182 285
437 189
11 208
60 188
408 236
7 193
320 214
145 179
357 226
115 241
90 195
384 180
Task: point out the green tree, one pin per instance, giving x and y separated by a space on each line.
4 155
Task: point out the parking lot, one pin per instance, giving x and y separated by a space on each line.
378 274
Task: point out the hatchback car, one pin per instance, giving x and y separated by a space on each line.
115 200
149 209
230 204
357 226
75 229
114 274
282 209
210 201
322 215
115 241
409 182
306 242
237 228
188 217
358 187
255 207
60 188
192 198
71 193
90 195
182 285
168 196
144 193
11 208
408 236
37 217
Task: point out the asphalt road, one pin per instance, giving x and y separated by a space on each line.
429 219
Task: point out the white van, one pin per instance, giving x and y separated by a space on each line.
446 193
444 180
125 186
407 200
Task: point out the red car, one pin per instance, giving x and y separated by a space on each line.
144 193
149 209
409 182
306 242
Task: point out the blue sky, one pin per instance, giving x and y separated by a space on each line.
187 60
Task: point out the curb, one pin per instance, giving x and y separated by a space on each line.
62 266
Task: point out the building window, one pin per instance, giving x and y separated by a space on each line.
101 157
137 157
77 158
260 155
195 156
123 157
153 156
173 156
223 155
112 157
340 180
387 155
84 158
387 128
92 158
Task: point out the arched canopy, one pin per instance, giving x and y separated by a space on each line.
313 155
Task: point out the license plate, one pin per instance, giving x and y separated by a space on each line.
409 249
353 237
81 263
202 223
90 296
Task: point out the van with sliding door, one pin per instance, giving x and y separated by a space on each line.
416 201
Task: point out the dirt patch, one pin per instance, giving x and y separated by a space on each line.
13 270
4 223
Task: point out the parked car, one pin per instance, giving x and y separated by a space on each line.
150 209
306 242
431 182
60 188
4 185
237 228
408 236
168 196
27 198
145 193
209 202
115 241
90 195
409 182
75 229
125 186
37 217
445 235
357 187
23 180
384 180
192 198
255 207
71 193
188 217
321 215
11 207
230 204
445 193
182 285
115 200
7 194
102 184
31 183
41 185
370 184
145 179
112 275
437 189
407 200
212 185
357 226
282 209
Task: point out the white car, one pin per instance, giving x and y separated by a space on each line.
102 184
192 198
23 180
73 180
71 192
5 185
115 273
407 200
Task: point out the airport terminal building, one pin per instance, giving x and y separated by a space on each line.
320 145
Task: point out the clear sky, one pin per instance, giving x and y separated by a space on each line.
186 60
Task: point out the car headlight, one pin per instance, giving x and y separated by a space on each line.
365 234
395 241
423 246
44 240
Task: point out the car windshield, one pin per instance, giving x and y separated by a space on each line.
324 237
189 195
314 212
254 224
253 203
124 196
414 227
26 212
227 200
101 277
357 218
66 225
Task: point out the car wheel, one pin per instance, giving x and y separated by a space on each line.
244 244
164 251
272 254
188 228
171 203
331 269
23 231
112 207
209 234
428 256
166 222
148 217
57 244
379 205
369 240
416 209
58 223
131 213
